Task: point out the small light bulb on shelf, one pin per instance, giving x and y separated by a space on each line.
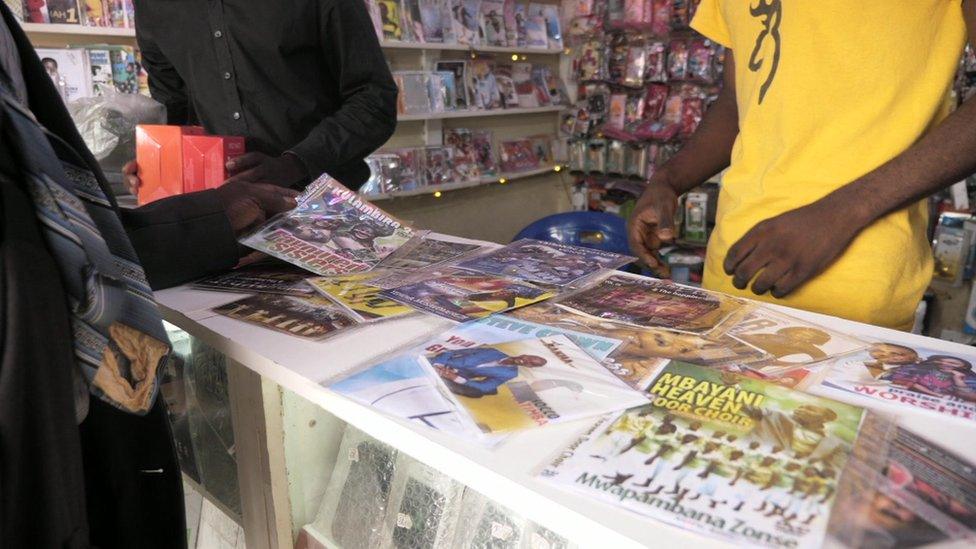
557 169
437 194
514 57
502 181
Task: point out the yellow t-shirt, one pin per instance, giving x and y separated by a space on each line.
827 91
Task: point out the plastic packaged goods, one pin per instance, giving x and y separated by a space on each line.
424 507
656 65
616 154
356 501
491 526
678 60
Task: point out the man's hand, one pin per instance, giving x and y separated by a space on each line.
784 252
250 204
652 224
448 373
130 175
255 167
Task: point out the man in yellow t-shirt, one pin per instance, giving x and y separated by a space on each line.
835 125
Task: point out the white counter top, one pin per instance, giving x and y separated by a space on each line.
504 474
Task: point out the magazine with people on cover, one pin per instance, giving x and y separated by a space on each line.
310 317
493 23
358 296
272 277
906 377
649 302
924 496
739 459
462 296
403 387
545 262
331 232
526 384
465 157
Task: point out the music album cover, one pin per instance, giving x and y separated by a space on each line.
331 232
390 18
463 296
414 96
526 384
432 14
732 458
517 156
412 22
309 317
536 34
483 84
465 157
545 262
485 151
525 85
358 296
442 91
438 162
458 69
271 277
506 86
465 16
493 23
649 302
418 255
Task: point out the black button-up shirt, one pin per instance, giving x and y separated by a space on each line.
305 76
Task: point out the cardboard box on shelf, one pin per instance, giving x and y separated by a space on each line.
205 159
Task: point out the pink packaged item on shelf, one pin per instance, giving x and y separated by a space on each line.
636 65
701 61
660 24
656 63
678 60
654 99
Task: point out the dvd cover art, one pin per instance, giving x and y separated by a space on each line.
100 63
465 15
526 384
309 317
542 148
517 156
463 296
554 33
734 458
925 496
358 296
509 9
493 23
465 157
790 342
649 302
411 171
506 86
646 350
483 84
331 232
536 35
525 85
438 162
414 96
545 262
458 70
541 85
63 11
402 387
485 151
907 377
412 25
426 251
443 89
124 72
390 18
521 22
269 277
432 19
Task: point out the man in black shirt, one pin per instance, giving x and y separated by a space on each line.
305 81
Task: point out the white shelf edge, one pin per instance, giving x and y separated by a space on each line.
475 113
484 180
434 46
55 28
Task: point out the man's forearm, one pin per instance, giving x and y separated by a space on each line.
709 150
944 156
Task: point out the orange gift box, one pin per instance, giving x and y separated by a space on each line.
205 160
159 153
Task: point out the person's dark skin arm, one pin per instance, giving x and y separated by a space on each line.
782 253
707 153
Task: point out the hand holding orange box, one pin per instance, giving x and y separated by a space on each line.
159 153
205 160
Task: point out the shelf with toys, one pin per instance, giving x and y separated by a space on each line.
433 46
436 190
